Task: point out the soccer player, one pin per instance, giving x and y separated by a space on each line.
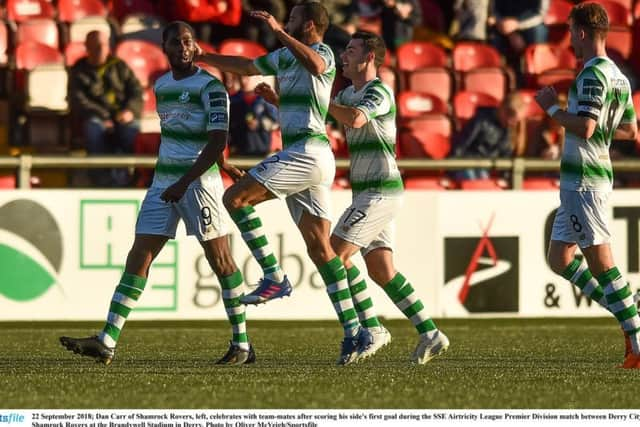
193 108
368 112
303 171
600 109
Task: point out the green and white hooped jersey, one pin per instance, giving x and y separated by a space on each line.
304 98
603 93
372 148
188 108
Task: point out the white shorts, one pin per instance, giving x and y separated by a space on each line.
582 218
303 175
200 208
370 221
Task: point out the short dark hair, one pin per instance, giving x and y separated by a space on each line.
175 27
372 43
592 18
314 11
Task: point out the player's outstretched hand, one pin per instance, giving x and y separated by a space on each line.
234 173
174 192
268 18
267 92
546 97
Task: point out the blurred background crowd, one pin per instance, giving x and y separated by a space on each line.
76 78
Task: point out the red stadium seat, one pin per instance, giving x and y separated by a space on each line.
480 69
73 52
146 60
416 55
415 104
25 10
422 143
540 183
465 104
46 88
72 10
31 54
436 81
545 64
618 13
425 183
468 56
433 123
241 47
7 182
491 81
480 184
424 67
40 30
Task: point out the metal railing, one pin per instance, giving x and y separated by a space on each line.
25 163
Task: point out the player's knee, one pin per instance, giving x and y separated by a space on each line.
231 200
319 250
558 264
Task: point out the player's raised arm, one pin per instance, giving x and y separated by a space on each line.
306 26
228 63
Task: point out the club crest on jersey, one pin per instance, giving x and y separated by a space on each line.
217 117
184 97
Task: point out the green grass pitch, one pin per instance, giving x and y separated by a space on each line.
492 363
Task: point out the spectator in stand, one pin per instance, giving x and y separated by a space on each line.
471 19
106 101
516 24
251 118
399 18
491 133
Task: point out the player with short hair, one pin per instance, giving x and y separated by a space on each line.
600 109
193 107
302 173
368 112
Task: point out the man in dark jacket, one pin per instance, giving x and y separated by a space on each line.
106 100
491 133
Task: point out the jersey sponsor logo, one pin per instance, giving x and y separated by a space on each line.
184 97
217 117
592 88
